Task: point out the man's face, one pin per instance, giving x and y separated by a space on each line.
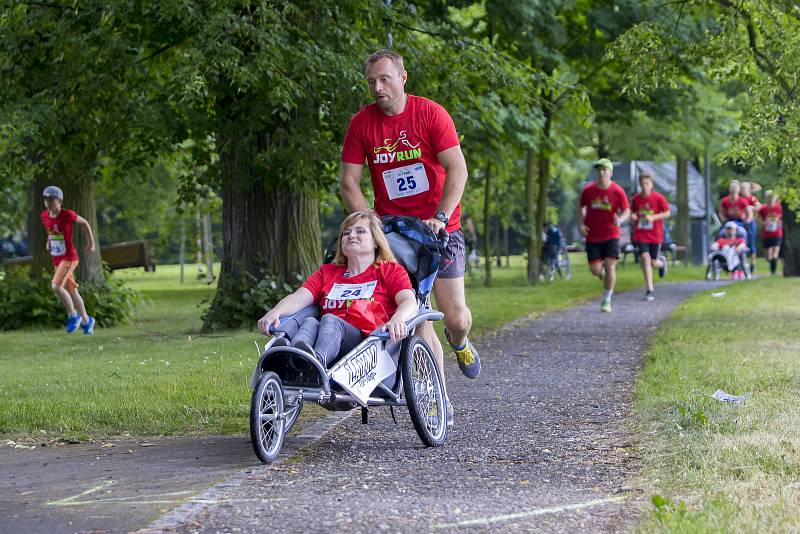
603 174
647 186
386 83
52 203
734 189
730 232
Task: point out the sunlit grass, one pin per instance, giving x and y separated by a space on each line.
717 467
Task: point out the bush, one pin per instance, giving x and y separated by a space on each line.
30 302
244 299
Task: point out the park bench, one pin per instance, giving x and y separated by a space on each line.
116 256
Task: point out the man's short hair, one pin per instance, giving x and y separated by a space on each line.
645 176
376 56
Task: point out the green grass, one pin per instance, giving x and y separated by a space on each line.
715 467
160 376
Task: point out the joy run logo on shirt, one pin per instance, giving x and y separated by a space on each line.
601 204
387 153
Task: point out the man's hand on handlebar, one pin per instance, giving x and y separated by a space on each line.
270 319
435 225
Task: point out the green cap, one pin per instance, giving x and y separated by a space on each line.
604 162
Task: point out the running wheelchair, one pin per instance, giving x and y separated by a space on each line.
378 372
729 260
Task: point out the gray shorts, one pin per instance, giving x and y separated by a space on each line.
454 261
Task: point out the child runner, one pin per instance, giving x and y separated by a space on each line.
648 210
59 224
771 214
748 188
602 208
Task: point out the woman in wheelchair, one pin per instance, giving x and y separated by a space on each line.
732 250
363 289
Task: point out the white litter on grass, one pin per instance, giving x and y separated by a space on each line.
726 397
718 294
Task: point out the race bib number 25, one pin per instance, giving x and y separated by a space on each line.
406 181
58 247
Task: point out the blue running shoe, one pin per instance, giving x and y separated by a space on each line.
73 322
467 356
88 328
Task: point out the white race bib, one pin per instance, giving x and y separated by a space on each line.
406 181
352 291
58 246
772 225
644 224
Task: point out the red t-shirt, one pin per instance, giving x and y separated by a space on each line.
771 216
730 242
59 234
734 210
381 283
653 204
401 150
601 205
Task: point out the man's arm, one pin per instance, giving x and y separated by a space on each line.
455 166
581 227
350 186
87 229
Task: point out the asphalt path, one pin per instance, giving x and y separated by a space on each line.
541 442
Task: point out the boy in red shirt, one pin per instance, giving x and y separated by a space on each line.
59 224
648 209
602 208
771 214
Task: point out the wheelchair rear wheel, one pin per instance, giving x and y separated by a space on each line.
424 391
564 268
267 421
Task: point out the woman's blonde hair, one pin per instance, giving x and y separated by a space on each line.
383 252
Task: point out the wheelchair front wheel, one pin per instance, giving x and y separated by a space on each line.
424 391
267 421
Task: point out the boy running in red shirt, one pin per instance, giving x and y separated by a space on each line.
648 209
602 208
59 224
771 214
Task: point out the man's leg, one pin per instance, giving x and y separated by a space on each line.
647 268
610 265
452 302
79 305
65 298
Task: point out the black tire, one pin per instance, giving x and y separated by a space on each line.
267 435
424 391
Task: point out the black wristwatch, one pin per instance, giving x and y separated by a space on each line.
441 217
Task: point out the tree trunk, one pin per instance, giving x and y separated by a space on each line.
506 247
544 182
79 196
684 233
273 229
182 239
208 249
498 228
198 241
602 147
37 238
791 242
487 230
530 210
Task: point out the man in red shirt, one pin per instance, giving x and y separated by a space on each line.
59 224
416 168
648 210
602 208
735 207
771 215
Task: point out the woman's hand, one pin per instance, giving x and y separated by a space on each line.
271 318
396 328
